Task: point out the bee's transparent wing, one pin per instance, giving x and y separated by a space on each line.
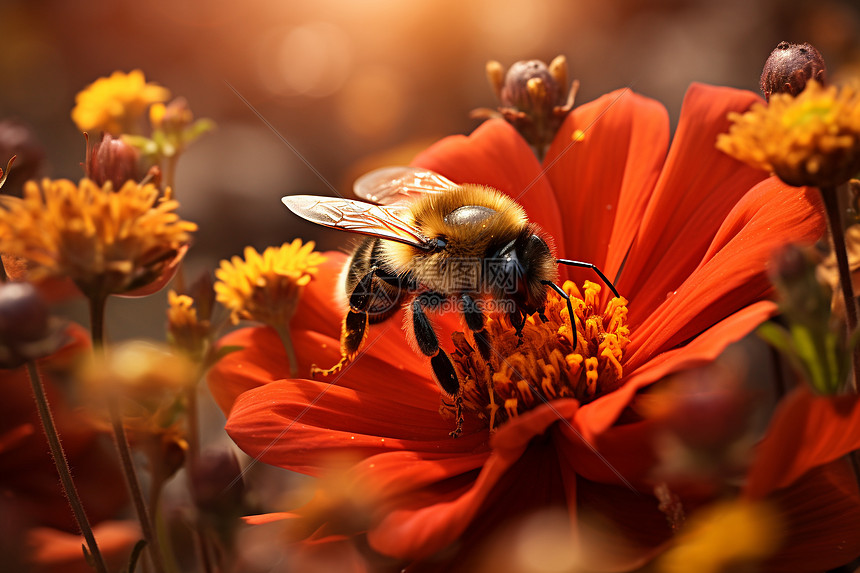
385 222
394 184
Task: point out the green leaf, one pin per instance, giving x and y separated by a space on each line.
808 350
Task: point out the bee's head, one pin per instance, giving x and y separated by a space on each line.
516 271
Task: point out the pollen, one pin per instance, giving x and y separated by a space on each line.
543 364
811 139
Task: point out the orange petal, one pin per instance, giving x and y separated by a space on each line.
262 359
299 424
603 180
806 431
698 187
323 303
821 518
424 528
496 155
55 550
595 417
732 272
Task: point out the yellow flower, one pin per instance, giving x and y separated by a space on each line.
185 330
107 242
115 104
266 287
812 139
724 537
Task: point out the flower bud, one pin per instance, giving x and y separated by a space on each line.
792 271
23 313
27 331
173 117
19 139
789 67
112 159
533 97
530 88
217 483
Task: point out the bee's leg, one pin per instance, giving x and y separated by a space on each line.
428 343
541 314
518 320
354 328
475 321
583 265
566 298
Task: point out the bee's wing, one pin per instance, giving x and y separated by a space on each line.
385 222
393 184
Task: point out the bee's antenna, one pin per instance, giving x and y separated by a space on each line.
590 266
566 298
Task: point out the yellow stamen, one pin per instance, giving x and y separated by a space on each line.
812 139
544 365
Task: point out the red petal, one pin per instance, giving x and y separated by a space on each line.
262 359
806 431
595 417
821 513
323 303
422 530
496 155
299 424
603 181
731 274
621 455
620 530
698 187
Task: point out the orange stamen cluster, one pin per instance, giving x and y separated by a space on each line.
544 364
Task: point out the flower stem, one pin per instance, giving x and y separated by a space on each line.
284 334
834 222
62 466
97 313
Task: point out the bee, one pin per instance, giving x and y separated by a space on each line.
430 244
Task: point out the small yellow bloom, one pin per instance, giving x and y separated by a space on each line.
266 287
812 139
107 242
724 537
185 330
115 104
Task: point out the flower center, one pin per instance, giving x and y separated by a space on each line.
543 364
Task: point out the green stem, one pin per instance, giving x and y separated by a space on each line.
837 234
284 334
62 466
97 313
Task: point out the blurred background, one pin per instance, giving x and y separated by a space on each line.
354 84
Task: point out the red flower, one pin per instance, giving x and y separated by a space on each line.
693 230
801 467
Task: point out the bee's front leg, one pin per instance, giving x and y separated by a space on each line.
428 342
